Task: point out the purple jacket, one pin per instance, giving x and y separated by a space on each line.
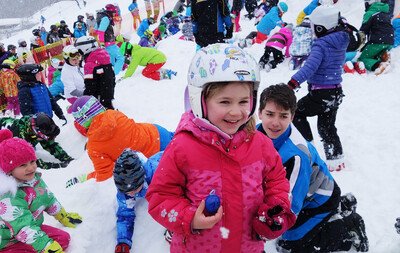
324 64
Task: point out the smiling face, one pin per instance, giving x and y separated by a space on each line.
275 119
228 107
25 172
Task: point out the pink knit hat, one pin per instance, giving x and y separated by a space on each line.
14 151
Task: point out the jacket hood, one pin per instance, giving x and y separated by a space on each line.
8 184
103 126
334 40
208 133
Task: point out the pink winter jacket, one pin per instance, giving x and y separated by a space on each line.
243 173
281 39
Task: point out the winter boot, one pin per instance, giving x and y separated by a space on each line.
168 236
356 227
360 68
383 67
166 74
348 204
349 67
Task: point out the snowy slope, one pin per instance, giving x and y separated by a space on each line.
368 123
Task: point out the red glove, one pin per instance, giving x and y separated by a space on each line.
272 221
293 84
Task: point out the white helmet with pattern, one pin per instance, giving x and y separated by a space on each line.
220 63
86 44
70 52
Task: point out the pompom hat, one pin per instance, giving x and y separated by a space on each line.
14 151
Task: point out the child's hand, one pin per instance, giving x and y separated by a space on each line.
79 179
68 219
200 221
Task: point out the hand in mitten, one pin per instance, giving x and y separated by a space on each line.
229 32
122 248
73 181
53 247
68 219
272 220
293 84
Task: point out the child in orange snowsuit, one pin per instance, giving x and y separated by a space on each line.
8 84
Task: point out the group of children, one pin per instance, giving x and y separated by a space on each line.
260 165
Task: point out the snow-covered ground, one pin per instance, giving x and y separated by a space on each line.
368 123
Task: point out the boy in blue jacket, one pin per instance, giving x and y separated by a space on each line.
323 73
132 176
321 225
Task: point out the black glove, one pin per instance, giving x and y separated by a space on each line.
293 84
229 32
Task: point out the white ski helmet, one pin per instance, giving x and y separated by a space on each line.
324 18
220 63
86 44
70 52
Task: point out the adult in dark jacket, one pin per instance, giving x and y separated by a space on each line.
33 95
40 129
380 36
63 31
52 36
210 20
323 73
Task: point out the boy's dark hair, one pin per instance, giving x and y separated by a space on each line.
280 94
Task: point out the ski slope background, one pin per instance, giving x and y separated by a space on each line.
368 123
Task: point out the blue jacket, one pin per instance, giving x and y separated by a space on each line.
313 188
324 64
126 204
396 26
57 87
269 21
144 25
35 97
79 33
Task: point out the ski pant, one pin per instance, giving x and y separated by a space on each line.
136 19
13 105
371 55
151 71
116 58
277 54
56 234
323 103
156 8
236 21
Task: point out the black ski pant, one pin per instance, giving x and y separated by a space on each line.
277 54
323 103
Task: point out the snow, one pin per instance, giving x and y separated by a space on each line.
368 124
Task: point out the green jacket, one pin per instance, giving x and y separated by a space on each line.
143 56
21 128
21 215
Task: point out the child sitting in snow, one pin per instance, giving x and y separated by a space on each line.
109 132
132 176
40 129
301 45
24 197
275 45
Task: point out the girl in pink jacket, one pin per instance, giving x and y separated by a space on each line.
217 151
277 45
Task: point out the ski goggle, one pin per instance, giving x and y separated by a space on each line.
73 56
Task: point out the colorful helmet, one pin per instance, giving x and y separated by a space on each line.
86 44
44 127
323 19
29 69
85 108
111 8
283 7
9 62
70 52
129 173
220 63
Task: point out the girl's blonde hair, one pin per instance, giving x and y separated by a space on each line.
213 88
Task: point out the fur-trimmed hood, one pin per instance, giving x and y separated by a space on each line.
8 184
